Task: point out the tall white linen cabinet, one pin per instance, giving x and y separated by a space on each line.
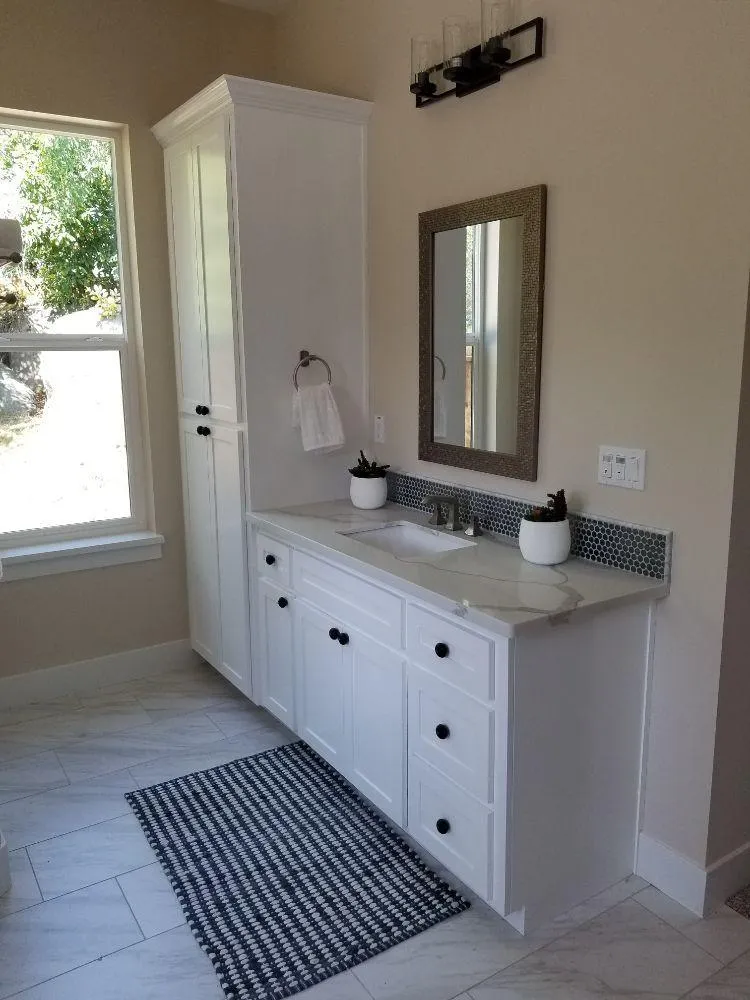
266 205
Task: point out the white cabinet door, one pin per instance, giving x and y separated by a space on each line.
215 538
200 535
378 725
201 254
276 655
215 234
226 447
324 686
190 343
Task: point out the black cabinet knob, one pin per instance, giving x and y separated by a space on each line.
442 826
270 560
442 731
344 639
199 410
199 431
204 431
202 411
283 602
441 650
334 633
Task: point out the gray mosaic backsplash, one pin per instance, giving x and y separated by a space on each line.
645 551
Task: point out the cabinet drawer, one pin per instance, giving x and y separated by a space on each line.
274 560
451 732
349 600
437 804
458 656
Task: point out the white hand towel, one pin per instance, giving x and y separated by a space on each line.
315 412
10 239
440 429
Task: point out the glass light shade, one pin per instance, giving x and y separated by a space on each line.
498 17
421 49
455 40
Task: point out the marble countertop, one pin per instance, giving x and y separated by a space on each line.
488 584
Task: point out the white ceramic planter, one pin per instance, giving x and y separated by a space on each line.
4 865
367 494
545 543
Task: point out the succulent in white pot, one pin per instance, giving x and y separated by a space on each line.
544 537
369 487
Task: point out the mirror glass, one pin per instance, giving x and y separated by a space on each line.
481 296
477 274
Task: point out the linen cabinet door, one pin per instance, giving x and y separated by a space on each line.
215 237
200 538
323 668
226 445
276 653
190 342
378 725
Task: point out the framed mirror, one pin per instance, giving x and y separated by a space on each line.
481 292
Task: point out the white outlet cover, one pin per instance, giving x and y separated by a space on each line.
623 467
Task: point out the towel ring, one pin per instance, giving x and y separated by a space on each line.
442 365
304 360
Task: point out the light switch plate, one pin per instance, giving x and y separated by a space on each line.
379 431
623 467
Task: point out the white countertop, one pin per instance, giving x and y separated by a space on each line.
489 584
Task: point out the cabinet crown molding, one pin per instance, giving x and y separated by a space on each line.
230 91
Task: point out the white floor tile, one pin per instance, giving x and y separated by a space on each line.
731 983
24 890
445 960
88 856
724 934
10 750
30 775
238 719
52 814
343 987
54 937
112 715
152 900
626 952
168 967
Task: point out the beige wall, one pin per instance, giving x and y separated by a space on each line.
730 795
127 61
638 122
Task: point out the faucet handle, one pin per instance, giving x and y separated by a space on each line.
474 530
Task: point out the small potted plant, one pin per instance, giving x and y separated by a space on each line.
545 532
369 488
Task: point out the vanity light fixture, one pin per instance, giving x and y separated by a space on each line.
470 65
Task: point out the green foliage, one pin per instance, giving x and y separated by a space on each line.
556 509
368 470
68 219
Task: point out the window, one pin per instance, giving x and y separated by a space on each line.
71 447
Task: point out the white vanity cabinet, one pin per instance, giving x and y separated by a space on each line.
514 761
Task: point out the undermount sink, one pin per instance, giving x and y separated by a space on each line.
407 540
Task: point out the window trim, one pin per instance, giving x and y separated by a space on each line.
29 545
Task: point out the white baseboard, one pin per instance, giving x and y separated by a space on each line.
88 675
672 873
725 876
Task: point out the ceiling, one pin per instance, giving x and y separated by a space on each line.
268 6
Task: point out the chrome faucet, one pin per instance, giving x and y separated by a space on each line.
453 522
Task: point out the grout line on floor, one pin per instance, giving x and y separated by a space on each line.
127 902
672 927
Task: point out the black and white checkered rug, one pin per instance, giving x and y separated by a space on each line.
285 876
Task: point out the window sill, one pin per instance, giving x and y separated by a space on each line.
80 553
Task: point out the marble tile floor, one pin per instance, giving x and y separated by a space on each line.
90 913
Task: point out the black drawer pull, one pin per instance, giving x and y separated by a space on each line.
442 826
441 650
202 411
442 731
334 634
283 602
344 639
270 560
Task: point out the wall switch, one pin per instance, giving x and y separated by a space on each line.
624 467
379 433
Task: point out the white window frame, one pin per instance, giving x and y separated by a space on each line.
80 546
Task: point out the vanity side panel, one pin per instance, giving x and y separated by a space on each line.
579 688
